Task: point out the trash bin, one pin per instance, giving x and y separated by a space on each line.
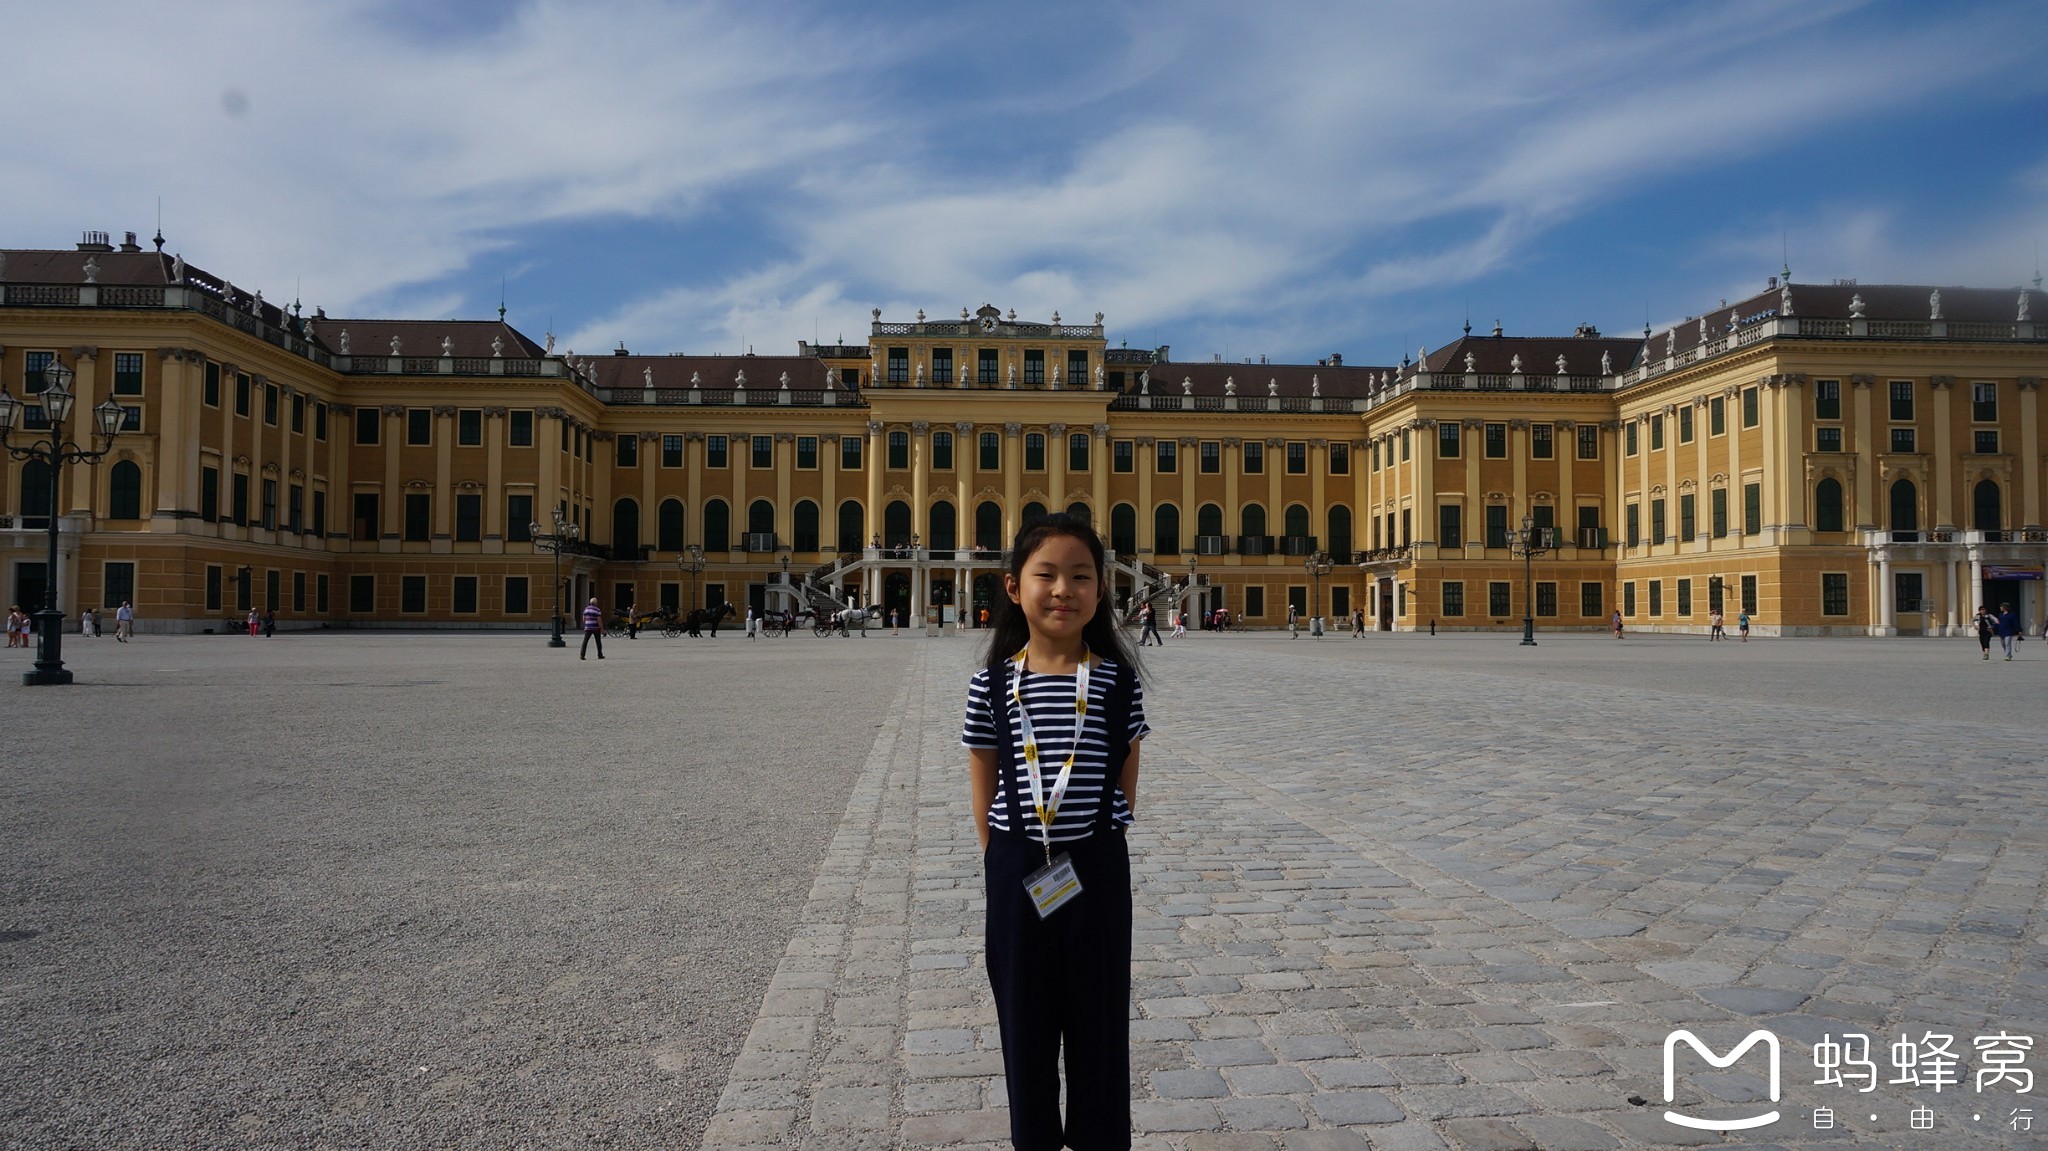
1315 627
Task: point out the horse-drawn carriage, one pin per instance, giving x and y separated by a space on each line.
846 621
781 623
658 619
693 622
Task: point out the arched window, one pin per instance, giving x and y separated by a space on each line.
804 526
1123 529
852 526
1080 512
1166 530
1033 512
945 527
1209 520
1340 530
1905 506
988 526
124 491
669 525
1988 507
626 530
1252 521
717 527
761 518
36 496
1827 505
896 525
1297 520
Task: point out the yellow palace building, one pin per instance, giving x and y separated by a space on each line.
1831 459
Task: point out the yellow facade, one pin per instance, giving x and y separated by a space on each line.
1838 467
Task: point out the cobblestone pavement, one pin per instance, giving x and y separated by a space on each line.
1415 893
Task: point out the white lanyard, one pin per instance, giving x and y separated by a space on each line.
1049 807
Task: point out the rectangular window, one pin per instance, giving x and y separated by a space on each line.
715 449
1589 441
1749 594
1902 440
118 586
238 501
1541 446
1983 402
1631 519
519 429
1750 413
320 421
366 516
1717 504
671 451
1984 443
942 365
209 389
1454 598
1077 369
270 404
1717 416
1902 399
1123 456
1834 593
320 593
764 452
209 494
1589 600
299 591
33 366
269 520
991 452
519 518
418 516
1034 452
1684 597
213 600
807 453
412 594
469 427
849 453
985 365
419 427
464 601
127 379
1255 601
1211 456
942 451
1447 445
1628 436
1254 458
1077 452
362 593
1499 599
1827 439
1752 508
272 586
244 589
899 365
1688 515
320 514
1656 598
1546 597
1034 366
369 421
1656 433
626 450
1450 526
1685 424
1910 591
243 391
469 516
1168 456
298 421
1497 526
1404 445
1496 441
1297 458
1827 399
516 593
897 444
295 508
1340 458
1407 526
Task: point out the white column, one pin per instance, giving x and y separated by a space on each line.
1954 618
1976 588
1884 595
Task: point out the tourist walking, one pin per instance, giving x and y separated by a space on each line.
1742 624
85 623
1986 625
1714 629
255 622
1293 623
14 625
632 621
1150 627
1180 623
269 624
2008 628
753 625
593 628
1358 623
124 622
1058 907
1617 623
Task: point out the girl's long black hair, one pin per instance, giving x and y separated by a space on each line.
1011 631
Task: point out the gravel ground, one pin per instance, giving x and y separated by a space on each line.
370 890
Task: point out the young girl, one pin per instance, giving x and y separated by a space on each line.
1052 731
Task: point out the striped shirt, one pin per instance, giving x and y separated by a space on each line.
1051 700
593 620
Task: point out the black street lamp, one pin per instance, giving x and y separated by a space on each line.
1317 565
695 563
1531 542
564 535
54 453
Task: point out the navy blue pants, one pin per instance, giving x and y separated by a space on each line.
1064 979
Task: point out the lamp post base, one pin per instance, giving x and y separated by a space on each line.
1528 632
49 666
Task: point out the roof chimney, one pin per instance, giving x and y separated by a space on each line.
1336 359
129 244
95 242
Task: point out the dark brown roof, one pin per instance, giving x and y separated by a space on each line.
1838 302
1212 379
151 269
764 373
1496 355
470 339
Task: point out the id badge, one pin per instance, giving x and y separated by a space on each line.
1053 885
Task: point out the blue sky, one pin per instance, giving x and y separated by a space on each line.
1287 180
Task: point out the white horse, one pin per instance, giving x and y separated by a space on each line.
850 618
